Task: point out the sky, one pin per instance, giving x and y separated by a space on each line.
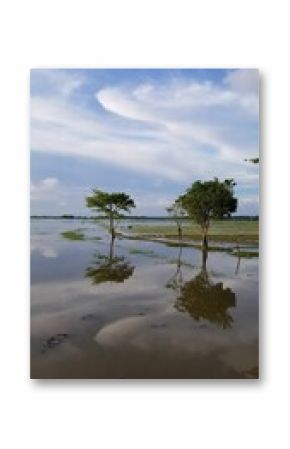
148 132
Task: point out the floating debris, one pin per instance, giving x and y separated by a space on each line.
53 341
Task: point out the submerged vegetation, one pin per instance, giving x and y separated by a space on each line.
78 234
239 238
73 235
147 252
245 254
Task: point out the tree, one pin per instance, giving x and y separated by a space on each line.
254 160
111 205
177 213
208 200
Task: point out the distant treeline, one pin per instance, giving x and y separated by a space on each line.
132 217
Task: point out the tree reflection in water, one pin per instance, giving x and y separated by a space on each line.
203 299
176 281
109 268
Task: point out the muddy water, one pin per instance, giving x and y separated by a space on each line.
139 309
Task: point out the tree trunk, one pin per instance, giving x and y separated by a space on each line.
204 259
111 255
112 229
179 232
204 242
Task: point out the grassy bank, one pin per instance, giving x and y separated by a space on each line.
235 231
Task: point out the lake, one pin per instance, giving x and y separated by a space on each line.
138 309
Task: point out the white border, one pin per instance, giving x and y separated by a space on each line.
140 34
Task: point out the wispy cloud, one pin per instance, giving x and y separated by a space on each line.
179 130
55 81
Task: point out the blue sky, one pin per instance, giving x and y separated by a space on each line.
150 133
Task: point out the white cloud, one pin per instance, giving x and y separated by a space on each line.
244 81
152 203
49 183
61 82
202 123
249 205
157 103
179 130
43 188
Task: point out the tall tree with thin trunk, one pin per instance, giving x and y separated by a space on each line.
177 213
208 200
111 205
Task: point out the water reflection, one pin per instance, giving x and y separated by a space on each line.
203 299
176 281
133 330
109 268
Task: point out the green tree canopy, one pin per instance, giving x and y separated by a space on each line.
110 204
208 200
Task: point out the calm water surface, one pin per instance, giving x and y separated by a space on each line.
139 309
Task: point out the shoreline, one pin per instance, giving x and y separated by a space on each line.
241 249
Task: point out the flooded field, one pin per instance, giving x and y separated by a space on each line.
138 309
